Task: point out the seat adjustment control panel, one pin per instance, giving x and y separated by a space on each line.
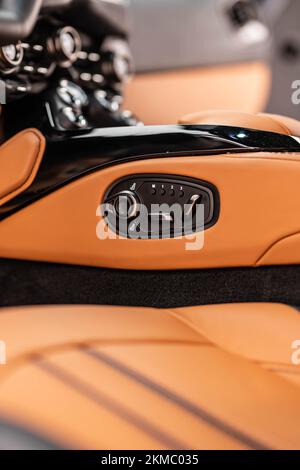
160 206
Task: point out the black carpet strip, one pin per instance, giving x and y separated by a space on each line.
28 283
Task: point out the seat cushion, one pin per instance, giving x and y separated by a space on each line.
217 377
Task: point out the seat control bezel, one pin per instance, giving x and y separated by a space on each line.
159 189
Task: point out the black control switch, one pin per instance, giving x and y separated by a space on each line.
160 206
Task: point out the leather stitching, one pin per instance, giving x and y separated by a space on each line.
183 403
273 245
281 124
92 394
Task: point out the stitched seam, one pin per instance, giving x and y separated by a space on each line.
18 361
284 371
216 345
281 124
91 393
173 397
277 364
265 253
266 158
184 321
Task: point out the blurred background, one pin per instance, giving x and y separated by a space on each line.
193 55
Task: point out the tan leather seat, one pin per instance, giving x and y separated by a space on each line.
217 377
263 122
257 228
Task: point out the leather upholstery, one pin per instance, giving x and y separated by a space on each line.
217 377
258 226
20 158
263 122
160 97
258 223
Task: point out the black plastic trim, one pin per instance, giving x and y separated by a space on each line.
72 156
200 186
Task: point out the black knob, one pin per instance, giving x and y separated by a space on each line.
71 119
11 57
116 67
65 45
72 95
116 60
